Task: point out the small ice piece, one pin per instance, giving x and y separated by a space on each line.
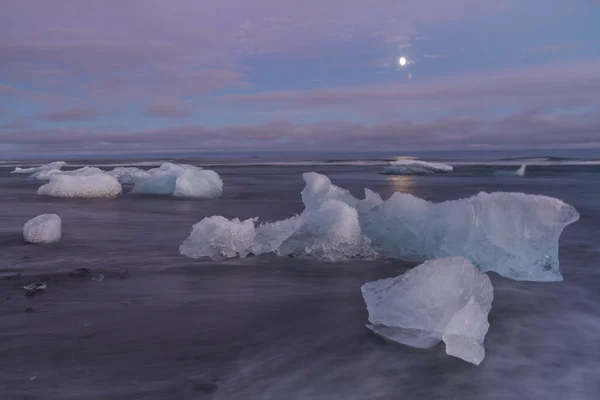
415 167
319 188
218 238
445 299
513 234
44 167
33 288
98 185
45 228
519 172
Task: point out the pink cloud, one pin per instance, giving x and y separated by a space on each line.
165 107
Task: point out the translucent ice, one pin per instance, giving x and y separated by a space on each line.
45 228
178 180
445 299
513 234
415 167
43 167
99 185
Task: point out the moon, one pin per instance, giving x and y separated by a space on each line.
402 61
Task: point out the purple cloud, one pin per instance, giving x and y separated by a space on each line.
521 130
165 107
566 82
74 114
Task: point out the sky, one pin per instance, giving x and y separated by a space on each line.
110 76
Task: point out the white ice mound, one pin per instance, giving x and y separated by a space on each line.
44 167
330 231
445 299
415 167
45 228
519 172
99 185
178 180
513 234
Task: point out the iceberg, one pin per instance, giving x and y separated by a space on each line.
98 185
179 180
45 228
415 167
519 172
513 234
440 300
43 167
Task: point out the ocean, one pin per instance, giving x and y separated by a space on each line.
144 322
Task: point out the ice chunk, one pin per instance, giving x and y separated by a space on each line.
99 185
415 167
178 180
45 228
445 299
43 167
513 234
519 172
218 238
331 231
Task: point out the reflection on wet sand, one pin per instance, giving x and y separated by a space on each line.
402 184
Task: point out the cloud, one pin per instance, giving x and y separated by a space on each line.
561 83
552 48
73 114
433 56
165 107
526 129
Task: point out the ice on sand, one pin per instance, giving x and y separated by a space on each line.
445 299
415 167
45 228
513 234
